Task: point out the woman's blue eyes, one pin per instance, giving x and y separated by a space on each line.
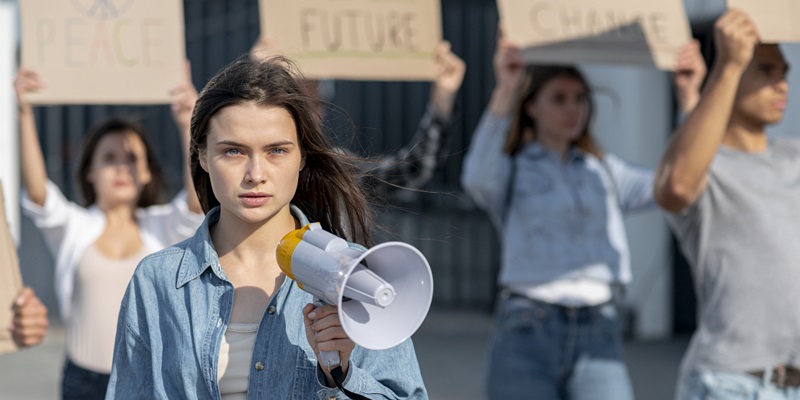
236 152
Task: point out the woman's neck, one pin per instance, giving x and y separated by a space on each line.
249 242
559 147
744 136
118 214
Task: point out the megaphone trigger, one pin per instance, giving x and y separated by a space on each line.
329 359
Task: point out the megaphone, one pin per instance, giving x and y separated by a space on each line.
383 294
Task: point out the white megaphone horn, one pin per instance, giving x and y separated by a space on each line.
383 294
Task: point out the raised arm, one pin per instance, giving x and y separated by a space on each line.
34 173
508 70
681 176
450 71
183 98
487 168
414 165
689 74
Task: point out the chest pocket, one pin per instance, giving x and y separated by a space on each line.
305 377
536 191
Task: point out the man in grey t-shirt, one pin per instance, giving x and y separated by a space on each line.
734 199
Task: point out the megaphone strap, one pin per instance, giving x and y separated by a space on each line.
338 377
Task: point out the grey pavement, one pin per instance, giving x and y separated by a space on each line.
451 347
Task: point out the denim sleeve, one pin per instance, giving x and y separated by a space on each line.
487 169
634 184
131 371
380 374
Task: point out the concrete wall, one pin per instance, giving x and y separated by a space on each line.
633 119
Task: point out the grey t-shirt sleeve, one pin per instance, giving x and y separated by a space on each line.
687 225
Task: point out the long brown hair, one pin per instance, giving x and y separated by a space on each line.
535 79
151 193
328 190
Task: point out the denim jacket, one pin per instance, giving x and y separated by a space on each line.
173 318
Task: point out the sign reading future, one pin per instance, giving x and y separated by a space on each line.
104 51
602 31
356 39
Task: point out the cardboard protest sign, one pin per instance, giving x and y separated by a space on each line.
104 51
776 20
600 31
356 39
10 279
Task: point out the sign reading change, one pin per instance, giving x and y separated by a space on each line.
356 39
776 20
600 31
104 51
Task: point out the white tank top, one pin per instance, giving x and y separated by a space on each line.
235 353
100 284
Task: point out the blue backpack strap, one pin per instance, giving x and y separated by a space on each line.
509 189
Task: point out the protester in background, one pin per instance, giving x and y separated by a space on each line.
414 165
557 202
235 326
97 246
733 197
29 324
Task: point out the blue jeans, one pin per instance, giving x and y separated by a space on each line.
731 386
82 384
543 351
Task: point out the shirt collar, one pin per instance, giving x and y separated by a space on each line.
535 150
200 253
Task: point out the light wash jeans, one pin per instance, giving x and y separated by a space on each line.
731 386
545 352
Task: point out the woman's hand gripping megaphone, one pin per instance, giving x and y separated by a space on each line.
327 337
375 297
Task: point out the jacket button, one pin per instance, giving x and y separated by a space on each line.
259 366
271 310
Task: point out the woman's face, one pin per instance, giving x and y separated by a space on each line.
560 109
119 169
253 159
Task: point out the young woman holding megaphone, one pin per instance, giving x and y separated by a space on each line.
214 315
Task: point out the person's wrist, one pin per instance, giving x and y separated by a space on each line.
688 101
728 71
25 109
505 87
443 103
501 101
732 65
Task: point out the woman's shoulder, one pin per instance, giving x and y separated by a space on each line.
163 263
